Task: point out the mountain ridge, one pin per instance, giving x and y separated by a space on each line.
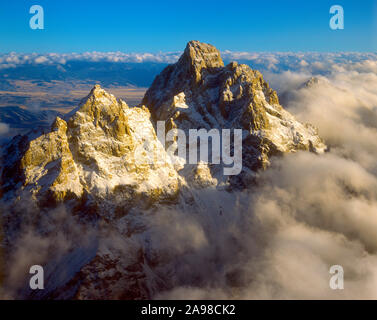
104 163
200 92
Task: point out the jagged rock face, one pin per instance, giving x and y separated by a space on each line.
99 156
200 92
94 151
103 148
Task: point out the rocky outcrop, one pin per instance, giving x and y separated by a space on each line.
94 152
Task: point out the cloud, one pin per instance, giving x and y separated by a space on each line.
4 128
343 106
316 63
13 60
40 60
58 242
279 240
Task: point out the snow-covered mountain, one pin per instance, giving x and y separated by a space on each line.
95 165
200 92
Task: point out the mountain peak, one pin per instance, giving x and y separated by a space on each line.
197 61
201 55
100 104
96 89
314 81
97 93
59 125
200 92
198 56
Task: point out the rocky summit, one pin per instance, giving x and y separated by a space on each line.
92 152
200 92
95 163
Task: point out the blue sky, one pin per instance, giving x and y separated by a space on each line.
153 26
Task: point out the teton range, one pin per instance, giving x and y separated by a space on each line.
86 185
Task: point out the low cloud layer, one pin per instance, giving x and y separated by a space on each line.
54 239
13 60
279 241
274 62
4 128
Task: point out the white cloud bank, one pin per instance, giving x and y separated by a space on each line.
4 128
313 62
13 60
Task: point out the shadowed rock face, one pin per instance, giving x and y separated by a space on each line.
200 92
197 58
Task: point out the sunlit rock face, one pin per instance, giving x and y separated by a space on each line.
93 152
200 92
